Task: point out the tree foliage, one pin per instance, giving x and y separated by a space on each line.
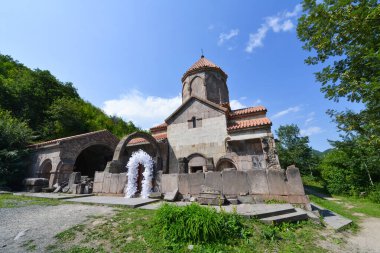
294 149
15 134
51 108
344 37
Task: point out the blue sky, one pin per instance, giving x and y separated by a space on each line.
128 57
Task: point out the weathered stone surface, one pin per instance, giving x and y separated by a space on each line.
233 201
195 182
58 189
106 182
207 189
183 184
98 182
123 179
234 182
277 182
294 183
211 199
257 181
74 178
214 180
114 182
171 196
169 182
155 195
246 199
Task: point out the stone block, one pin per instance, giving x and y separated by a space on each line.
196 182
295 186
157 181
183 184
246 199
98 182
277 182
169 182
155 195
233 201
171 196
213 180
211 199
106 182
257 181
114 182
74 179
234 182
123 179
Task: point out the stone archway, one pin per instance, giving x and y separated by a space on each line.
225 163
197 162
45 169
119 157
92 158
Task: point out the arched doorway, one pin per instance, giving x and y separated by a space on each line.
91 159
197 162
225 163
45 169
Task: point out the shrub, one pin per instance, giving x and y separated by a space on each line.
197 224
374 194
14 136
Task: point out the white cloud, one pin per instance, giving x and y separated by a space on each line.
257 102
310 118
227 36
236 104
297 9
287 111
256 39
144 111
282 22
311 131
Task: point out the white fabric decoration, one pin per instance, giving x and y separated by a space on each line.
139 157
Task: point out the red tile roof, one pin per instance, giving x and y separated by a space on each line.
238 125
246 111
202 64
159 127
158 137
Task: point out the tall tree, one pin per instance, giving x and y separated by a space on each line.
294 149
344 35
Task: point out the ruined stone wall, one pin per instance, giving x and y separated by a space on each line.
282 185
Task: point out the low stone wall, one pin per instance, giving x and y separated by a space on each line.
271 184
111 183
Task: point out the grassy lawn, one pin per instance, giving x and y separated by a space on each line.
12 201
133 230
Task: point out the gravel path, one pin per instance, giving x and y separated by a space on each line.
368 238
41 224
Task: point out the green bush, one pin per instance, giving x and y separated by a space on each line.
197 224
374 194
14 136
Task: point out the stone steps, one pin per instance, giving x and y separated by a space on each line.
297 215
332 219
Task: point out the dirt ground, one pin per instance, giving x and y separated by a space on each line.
39 224
368 238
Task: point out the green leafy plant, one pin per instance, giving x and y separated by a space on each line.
194 223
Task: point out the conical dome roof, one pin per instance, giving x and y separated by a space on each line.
201 65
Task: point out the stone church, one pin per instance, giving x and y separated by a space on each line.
204 144
204 134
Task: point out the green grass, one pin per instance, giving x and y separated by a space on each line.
29 246
136 230
12 201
